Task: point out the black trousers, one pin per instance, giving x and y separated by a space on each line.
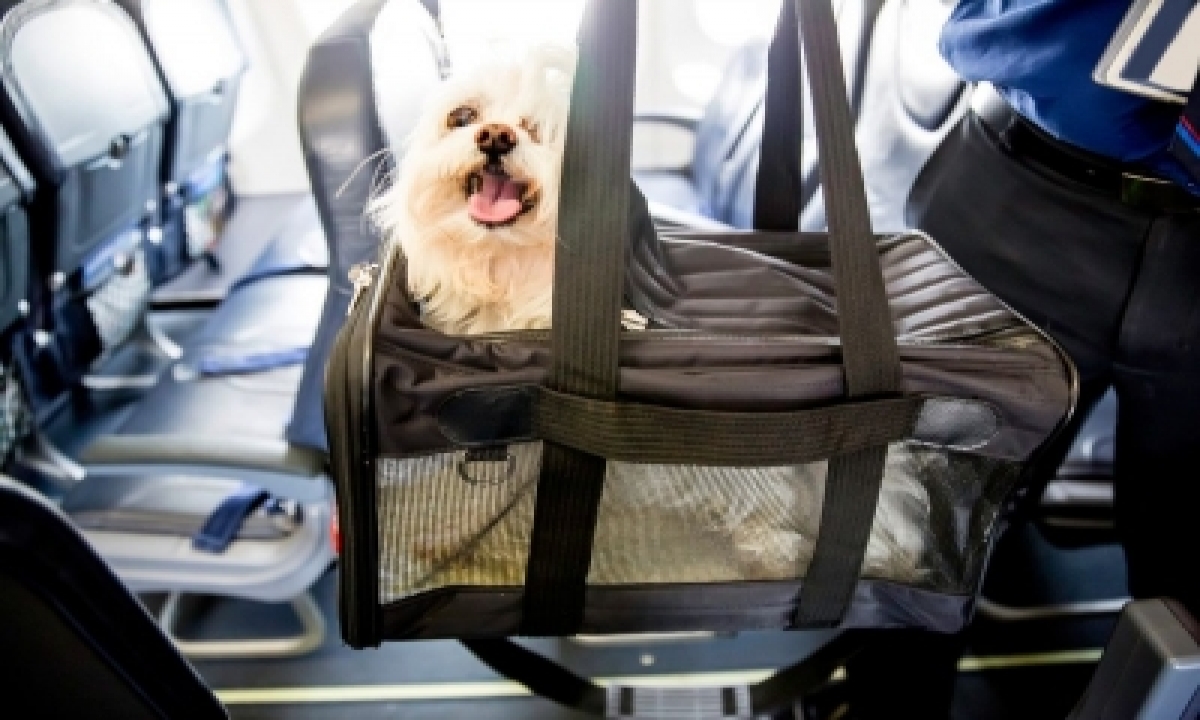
1119 290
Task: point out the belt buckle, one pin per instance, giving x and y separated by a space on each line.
1155 194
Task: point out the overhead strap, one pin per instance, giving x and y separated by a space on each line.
589 278
549 680
630 432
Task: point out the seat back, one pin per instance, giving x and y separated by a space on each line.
360 94
201 63
905 96
910 99
85 110
75 642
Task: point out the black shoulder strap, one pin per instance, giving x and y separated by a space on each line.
589 279
779 185
869 354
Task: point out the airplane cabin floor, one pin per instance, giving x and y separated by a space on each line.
1029 670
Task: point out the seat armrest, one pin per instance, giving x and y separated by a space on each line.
1150 669
283 469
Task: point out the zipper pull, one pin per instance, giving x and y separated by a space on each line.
362 276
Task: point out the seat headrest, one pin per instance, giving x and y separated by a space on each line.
362 89
194 42
78 75
361 92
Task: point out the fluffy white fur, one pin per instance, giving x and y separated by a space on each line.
471 277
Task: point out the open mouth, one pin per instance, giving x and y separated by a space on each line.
495 199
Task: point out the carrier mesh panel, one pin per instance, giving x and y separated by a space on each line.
14 414
447 522
118 306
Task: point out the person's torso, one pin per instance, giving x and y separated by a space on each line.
1041 54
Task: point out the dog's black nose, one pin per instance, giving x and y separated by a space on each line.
496 139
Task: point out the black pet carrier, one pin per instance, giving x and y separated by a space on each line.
811 431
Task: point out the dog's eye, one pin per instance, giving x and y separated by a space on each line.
462 117
535 132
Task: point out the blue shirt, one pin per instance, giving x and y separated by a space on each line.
1040 55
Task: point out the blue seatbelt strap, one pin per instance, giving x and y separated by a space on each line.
223 524
224 365
1185 145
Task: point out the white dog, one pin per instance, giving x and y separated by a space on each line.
474 208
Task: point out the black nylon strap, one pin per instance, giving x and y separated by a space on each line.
636 433
547 679
543 677
868 339
869 354
589 279
779 186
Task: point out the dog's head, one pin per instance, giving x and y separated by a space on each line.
483 164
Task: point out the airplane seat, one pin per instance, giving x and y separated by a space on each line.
360 93
80 95
83 106
201 64
692 189
83 102
910 100
729 135
75 642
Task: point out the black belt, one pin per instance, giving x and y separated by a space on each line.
1128 184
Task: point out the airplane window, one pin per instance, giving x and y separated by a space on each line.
478 29
734 22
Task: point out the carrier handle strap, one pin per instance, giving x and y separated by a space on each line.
870 356
589 282
869 353
650 434
778 188
547 679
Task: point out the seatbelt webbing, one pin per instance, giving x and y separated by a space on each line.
223 525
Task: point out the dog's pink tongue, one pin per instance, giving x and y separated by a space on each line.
498 201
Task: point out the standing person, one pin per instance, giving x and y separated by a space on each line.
1079 206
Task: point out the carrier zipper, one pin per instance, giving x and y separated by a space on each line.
362 276
348 410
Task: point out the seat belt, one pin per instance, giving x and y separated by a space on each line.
224 523
250 363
